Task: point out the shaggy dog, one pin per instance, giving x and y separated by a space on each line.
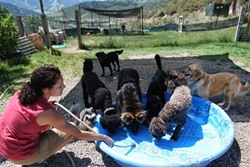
173 112
128 99
92 86
110 120
100 98
207 85
156 92
128 75
87 115
106 59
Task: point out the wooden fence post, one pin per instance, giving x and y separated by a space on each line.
20 26
79 34
240 21
45 28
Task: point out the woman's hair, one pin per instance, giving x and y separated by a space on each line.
43 77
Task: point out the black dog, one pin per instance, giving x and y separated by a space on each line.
106 59
92 86
156 92
111 120
128 99
128 75
100 98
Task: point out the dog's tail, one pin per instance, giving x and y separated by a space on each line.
244 89
119 52
158 61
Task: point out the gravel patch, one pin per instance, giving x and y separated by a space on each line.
88 154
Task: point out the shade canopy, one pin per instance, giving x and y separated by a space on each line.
116 13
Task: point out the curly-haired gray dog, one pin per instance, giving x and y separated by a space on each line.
173 112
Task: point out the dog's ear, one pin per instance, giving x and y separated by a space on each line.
127 117
92 110
198 72
118 101
140 116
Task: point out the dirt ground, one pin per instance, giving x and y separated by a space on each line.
87 154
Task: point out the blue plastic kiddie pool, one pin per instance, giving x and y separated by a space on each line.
207 134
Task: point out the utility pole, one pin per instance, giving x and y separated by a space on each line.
45 28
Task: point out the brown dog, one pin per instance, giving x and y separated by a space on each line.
207 85
128 99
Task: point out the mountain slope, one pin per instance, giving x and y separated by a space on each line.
17 10
109 5
51 6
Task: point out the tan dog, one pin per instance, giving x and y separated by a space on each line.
207 85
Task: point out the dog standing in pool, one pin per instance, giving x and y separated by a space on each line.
173 112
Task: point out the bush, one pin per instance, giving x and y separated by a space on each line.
8 34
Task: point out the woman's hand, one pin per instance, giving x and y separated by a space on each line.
108 140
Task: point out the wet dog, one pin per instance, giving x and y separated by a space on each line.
156 92
106 59
207 85
173 112
111 120
128 99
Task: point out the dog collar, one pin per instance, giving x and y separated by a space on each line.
200 78
108 109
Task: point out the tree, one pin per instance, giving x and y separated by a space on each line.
8 34
32 23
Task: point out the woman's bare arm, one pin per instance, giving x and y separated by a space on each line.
55 119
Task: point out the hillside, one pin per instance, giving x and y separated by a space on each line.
151 8
109 5
18 10
51 6
157 13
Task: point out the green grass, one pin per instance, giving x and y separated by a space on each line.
210 45
159 39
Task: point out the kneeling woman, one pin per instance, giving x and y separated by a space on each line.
26 137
